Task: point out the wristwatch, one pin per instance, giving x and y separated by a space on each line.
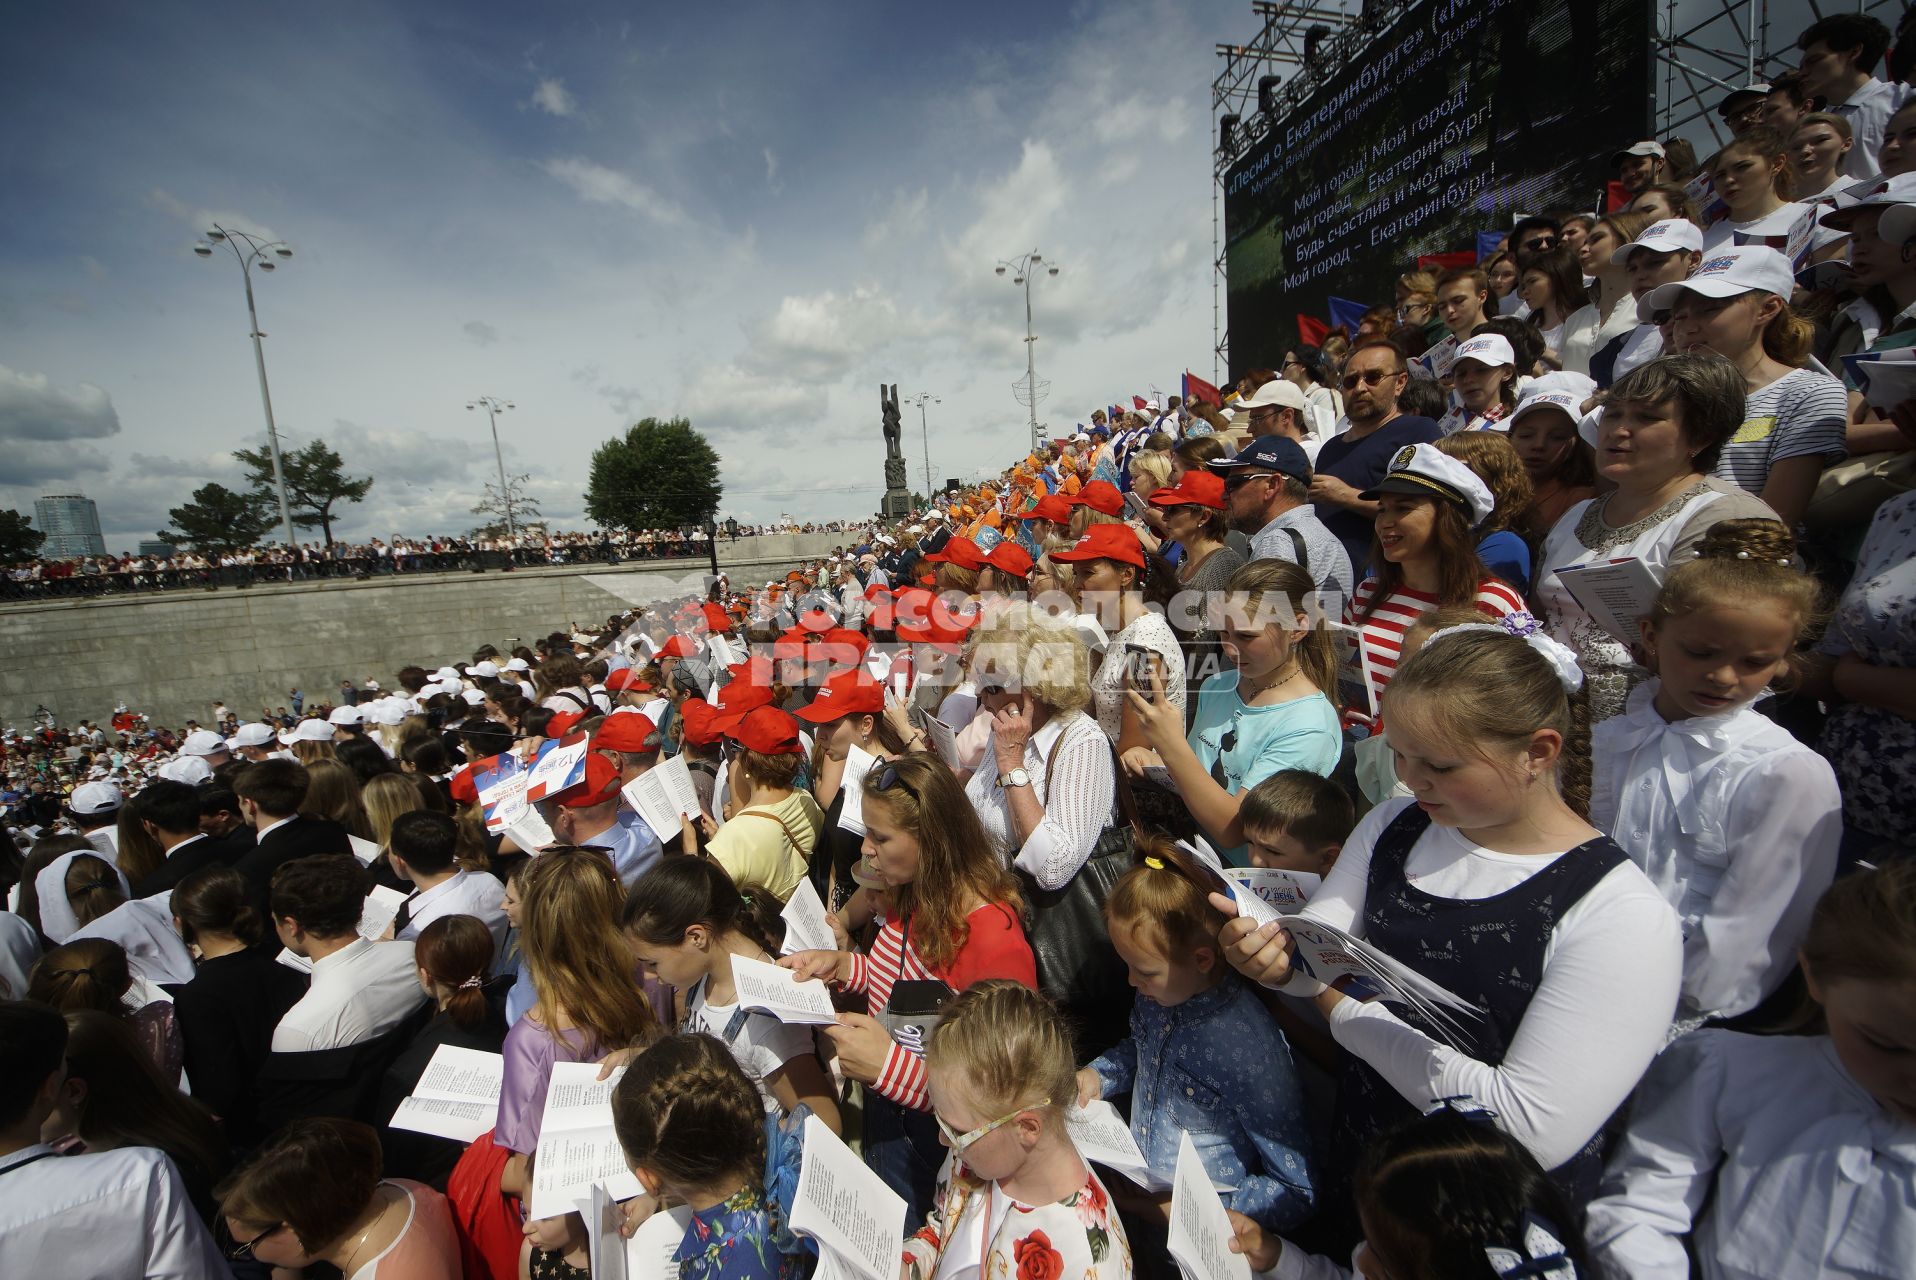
1016 778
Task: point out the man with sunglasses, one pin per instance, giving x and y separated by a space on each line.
1375 373
111 1213
1267 490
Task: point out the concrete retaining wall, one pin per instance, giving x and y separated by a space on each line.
171 655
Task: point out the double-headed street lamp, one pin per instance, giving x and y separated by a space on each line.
1023 269
922 399
494 406
257 253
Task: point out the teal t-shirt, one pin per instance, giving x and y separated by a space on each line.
1243 745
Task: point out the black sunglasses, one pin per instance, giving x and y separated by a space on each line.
1369 377
1540 242
1233 483
889 777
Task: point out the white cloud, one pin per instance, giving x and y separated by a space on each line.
32 408
726 397
479 332
822 336
904 220
596 184
553 98
200 218
771 171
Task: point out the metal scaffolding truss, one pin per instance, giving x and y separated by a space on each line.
1705 48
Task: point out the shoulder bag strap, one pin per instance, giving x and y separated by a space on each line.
1297 545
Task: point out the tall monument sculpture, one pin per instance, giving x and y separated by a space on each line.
897 500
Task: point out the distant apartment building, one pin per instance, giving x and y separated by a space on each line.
72 525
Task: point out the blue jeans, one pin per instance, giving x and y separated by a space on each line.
902 1147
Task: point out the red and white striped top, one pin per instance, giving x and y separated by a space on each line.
1382 634
994 947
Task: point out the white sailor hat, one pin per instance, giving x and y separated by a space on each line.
1423 470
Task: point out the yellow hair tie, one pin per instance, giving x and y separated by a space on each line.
1155 863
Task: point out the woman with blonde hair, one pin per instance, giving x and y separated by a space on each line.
333 793
588 999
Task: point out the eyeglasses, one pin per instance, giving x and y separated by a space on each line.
1369 377
959 1141
1536 243
1233 483
243 1249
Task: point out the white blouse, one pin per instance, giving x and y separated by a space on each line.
1148 630
1736 824
1802 1172
1602 1005
1077 805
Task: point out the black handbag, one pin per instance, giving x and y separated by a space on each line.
1078 968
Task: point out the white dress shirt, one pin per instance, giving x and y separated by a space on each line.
467 893
1077 806
1868 111
357 993
1802 1173
1736 823
1601 1008
103 1216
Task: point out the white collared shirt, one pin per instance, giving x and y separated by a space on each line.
1077 806
468 893
262 833
1736 824
359 992
1868 111
1803 1174
101 1216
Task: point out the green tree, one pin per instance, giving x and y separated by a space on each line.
316 479
657 475
19 540
217 520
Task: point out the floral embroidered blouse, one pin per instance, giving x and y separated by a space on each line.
735 1240
1077 1238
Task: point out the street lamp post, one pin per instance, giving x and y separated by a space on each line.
257 253
1024 268
922 399
494 406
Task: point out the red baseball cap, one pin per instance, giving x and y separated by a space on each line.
1106 542
1100 495
1009 557
876 590
768 731
849 693
738 698
716 618
1051 507
600 784
627 731
462 787
700 721
679 647
962 552
627 680
563 723
757 668
1196 488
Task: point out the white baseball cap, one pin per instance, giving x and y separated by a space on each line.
1895 196
311 729
257 734
517 664
489 670
1667 236
448 673
202 742
95 797
192 770
1646 148
1278 393
346 715
387 711
1729 273
473 697
1492 349
1424 470
1563 400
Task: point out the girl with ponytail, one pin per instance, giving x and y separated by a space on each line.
685 920
93 973
1490 882
237 995
1735 822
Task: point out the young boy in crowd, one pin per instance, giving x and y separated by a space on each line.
1296 820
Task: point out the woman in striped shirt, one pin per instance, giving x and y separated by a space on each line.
1425 551
955 917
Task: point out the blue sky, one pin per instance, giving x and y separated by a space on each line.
747 214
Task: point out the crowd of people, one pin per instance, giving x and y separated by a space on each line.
100 575
1462 797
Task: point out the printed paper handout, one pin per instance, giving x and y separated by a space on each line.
1286 891
779 992
559 766
1103 1135
577 1146
1615 593
858 1221
851 814
363 849
807 928
457 1096
1886 378
1200 1239
648 1255
662 795
944 739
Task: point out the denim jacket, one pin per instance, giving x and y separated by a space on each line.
1217 1067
